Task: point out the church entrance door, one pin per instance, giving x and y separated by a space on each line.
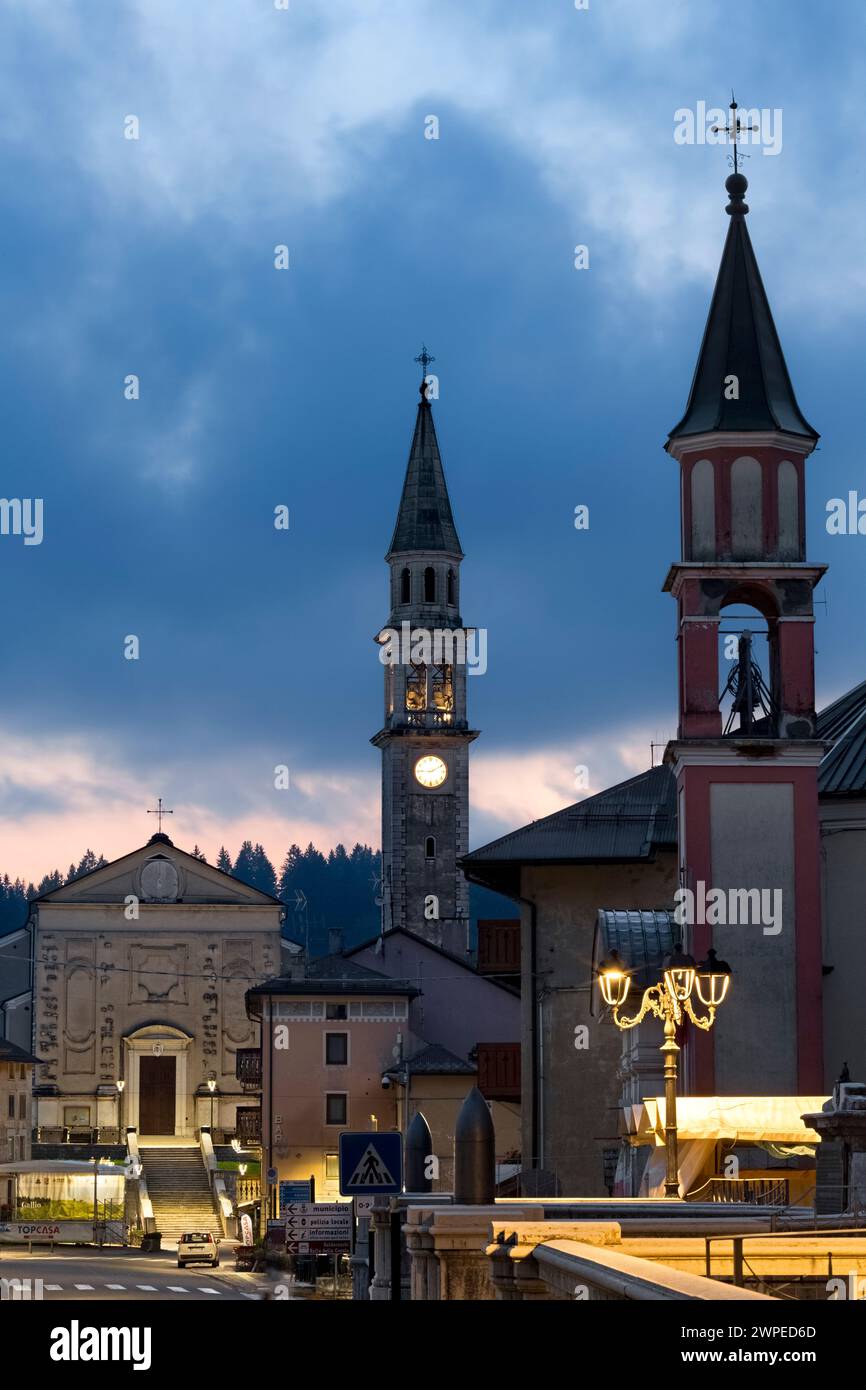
156 1095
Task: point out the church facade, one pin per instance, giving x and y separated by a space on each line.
141 971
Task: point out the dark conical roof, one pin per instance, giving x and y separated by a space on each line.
425 521
740 340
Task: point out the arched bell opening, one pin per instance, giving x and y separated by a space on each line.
748 671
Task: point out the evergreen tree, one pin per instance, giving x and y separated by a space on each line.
89 862
50 882
224 861
244 866
197 854
264 877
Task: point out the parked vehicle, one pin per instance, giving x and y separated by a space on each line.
195 1247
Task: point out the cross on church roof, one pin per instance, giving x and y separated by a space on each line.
424 358
159 813
734 130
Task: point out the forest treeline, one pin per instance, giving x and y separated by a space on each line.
320 891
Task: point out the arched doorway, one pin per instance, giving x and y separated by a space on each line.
156 1094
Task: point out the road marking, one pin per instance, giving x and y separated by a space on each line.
85 1286
202 1289
244 1294
148 1288
176 1288
53 1288
116 1286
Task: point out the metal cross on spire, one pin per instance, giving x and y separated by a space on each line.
424 358
159 813
734 131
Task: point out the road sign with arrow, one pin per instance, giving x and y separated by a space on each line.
318 1226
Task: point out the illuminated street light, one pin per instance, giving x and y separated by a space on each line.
669 1000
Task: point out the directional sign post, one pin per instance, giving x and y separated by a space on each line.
318 1226
371 1164
294 1191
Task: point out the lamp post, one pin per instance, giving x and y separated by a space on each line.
670 1001
120 1085
211 1085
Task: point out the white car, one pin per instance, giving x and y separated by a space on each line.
197 1247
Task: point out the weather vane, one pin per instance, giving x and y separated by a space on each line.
159 813
734 131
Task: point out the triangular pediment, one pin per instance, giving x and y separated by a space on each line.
158 872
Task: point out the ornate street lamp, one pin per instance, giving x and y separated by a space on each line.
211 1085
669 1000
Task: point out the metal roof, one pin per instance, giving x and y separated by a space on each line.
843 769
740 340
642 939
335 975
11 1052
425 520
625 822
434 1060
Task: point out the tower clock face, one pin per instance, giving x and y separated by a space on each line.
430 771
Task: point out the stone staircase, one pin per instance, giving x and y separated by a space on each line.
179 1188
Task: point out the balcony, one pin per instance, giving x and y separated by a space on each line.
248 1068
499 1070
248 1125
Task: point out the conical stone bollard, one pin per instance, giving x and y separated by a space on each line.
474 1153
419 1148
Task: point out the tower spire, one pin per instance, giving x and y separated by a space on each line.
741 380
425 521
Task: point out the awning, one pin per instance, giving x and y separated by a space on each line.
64 1167
734 1119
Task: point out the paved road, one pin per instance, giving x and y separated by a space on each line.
78 1273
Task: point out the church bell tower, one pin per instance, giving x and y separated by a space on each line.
425 737
746 755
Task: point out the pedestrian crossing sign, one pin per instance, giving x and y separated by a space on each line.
371 1163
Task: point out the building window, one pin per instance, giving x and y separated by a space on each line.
336 1108
442 691
301 1010
11 1106
429 585
336 1049
452 589
333 1010
22 1106
332 1167
378 1010
405 587
430 848
416 687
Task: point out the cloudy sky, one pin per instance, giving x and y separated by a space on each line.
305 127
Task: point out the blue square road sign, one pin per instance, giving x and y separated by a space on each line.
371 1163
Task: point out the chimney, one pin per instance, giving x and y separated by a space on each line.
298 966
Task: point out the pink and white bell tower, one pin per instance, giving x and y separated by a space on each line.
747 787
